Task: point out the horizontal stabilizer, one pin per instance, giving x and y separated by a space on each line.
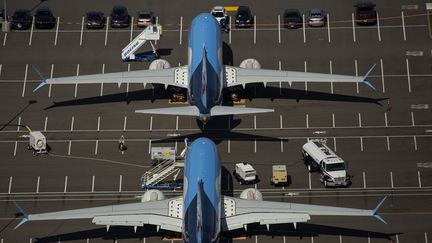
177 111
232 110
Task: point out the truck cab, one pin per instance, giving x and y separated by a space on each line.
333 172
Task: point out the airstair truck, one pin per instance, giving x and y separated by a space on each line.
319 157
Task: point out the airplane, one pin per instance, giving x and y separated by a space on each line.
202 213
204 76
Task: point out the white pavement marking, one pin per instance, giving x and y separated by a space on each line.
305 69
255 24
127 84
279 29
356 73
157 22
333 120
334 144
37 184
229 34
403 25
72 123
391 179
25 80
255 123
149 146
304 30
388 143
331 72
361 143
82 30
378 27
131 30
46 123
397 238
408 75
328 28
280 121
419 179
307 120
31 31
310 181
177 123
340 238
51 76
120 183
151 123
124 123
93 183
57 30
10 185
4 39
76 85
412 119
229 145
96 147
65 184
415 143
69 148
15 148
385 119
106 30
1 66
98 123
181 30
101 88
280 83
359 120
281 145
353 27
255 146
426 237
382 75
19 124
364 179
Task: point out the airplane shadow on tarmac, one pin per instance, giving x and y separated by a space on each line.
303 230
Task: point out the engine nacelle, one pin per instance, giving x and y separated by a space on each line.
250 63
159 64
251 194
152 195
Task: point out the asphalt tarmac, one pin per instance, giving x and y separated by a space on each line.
387 149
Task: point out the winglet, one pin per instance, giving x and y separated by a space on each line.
375 211
366 81
25 216
44 81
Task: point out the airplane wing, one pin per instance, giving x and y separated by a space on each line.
159 213
242 76
171 76
240 212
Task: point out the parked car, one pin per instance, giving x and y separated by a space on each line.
292 19
95 20
120 17
21 19
317 17
44 19
365 13
145 18
244 17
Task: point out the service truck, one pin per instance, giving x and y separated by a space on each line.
279 175
319 157
245 173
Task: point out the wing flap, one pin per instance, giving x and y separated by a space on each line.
239 221
232 110
164 222
178 110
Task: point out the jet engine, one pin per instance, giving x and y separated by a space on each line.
251 194
250 63
152 195
159 64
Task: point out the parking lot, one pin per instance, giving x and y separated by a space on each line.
385 135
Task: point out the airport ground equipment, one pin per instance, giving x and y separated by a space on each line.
279 175
319 157
245 173
220 13
150 33
37 143
165 163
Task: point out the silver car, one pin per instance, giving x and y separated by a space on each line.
317 17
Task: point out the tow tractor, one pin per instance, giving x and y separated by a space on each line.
151 33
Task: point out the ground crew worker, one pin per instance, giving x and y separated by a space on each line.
122 145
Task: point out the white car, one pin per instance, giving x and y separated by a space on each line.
219 13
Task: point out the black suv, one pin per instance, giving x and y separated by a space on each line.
44 19
244 17
120 17
95 20
292 19
21 20
365 13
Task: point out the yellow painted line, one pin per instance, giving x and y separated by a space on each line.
231 8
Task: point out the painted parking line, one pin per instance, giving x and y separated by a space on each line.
359 120
229 34
307 120
96 147
281 146
333 120
385 119
82 30
364 179
131 29
69 147
102 84
106 30
10 185
57 31
388 143
45 124
403 25
279 28
280 83
98 123
378 27
25 81
51 76
181 31
356 74
229 146
419 179
1 67
382 75
255 24
31 31
76 85
415 143
412 119
304 30
331 72
408 75
334 144
37 184
280 121
353 27
305 70
328 28
4 39
72 123
361 143
124 123
151 123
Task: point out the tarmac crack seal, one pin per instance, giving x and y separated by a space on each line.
96 159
